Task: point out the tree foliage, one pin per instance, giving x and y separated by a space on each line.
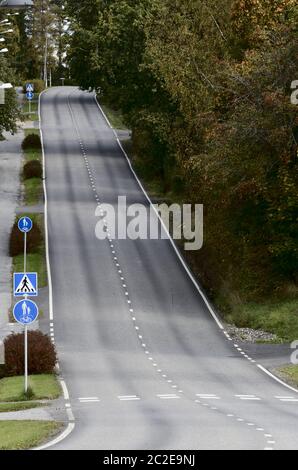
9 110
205 87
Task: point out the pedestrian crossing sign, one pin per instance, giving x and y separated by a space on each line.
29 88
25 284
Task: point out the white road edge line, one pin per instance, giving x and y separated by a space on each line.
51 312
276 378
58 439
64 389
71 424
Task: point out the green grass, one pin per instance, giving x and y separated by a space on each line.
21 435
33 116
32 186
36 262
32 130
33 191
44 387
32 154
20 406
289 374
280 318
115 117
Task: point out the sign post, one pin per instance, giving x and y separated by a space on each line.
25 312
29 94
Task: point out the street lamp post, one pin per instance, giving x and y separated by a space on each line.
3 87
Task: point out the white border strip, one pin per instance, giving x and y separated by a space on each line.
58 439
50 284
266 371
215 317
65 390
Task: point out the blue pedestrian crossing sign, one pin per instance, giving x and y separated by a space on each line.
29 95
25 284
29 88
25 224
25 312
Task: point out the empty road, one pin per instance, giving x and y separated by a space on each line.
145 363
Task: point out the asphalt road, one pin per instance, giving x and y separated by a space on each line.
135 339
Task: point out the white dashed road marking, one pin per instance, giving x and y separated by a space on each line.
208 396
248 397
129 398
89 400
169 397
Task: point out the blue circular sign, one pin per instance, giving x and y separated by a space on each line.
25 312
29 95
25 224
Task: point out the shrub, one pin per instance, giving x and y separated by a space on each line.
16 242
38 85
32 141
42 355
32 169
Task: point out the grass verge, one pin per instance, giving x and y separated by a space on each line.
289 374
33 186
19 406
33 191
33 116
32 154
21 435
280 318
44 387
115 117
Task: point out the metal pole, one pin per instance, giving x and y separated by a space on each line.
26 359
25 252
26 330
29 107
45 73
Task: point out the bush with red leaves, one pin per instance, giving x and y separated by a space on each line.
42 355
16 242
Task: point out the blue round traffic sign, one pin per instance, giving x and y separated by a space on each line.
25 224
25 312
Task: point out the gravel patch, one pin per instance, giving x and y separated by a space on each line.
248 335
